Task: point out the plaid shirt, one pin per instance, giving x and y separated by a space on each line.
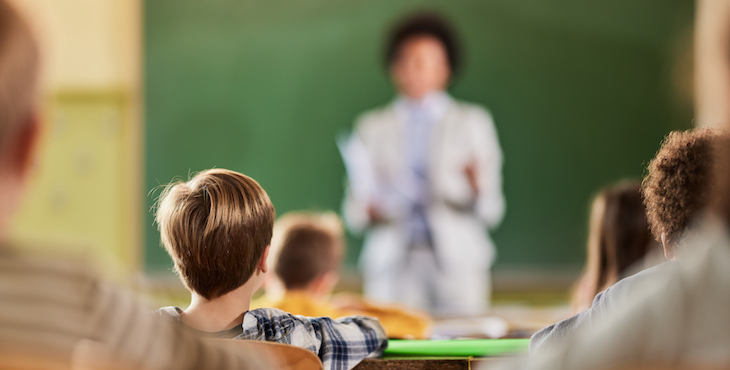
340 343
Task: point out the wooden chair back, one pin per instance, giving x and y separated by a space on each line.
286 356
28 359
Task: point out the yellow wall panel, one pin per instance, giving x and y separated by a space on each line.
77 199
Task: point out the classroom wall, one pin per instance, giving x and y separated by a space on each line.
84 197
581 92
711 74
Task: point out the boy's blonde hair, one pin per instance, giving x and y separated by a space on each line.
306 245
215 227
19 69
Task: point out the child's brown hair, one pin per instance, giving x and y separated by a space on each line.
618 237
306 245
215 227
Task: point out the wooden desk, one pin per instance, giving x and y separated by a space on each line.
425 363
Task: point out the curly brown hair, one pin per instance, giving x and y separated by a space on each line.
678 181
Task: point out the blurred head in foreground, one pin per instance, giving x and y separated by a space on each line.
618 238
55 315
678 184
19 70
422 54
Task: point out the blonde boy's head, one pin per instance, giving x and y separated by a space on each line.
215 227
19 70
306 246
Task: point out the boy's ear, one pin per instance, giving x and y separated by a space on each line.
17 156
325 283
262 261
29 141
21 152
334 278
668 250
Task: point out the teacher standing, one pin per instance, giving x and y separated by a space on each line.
434 169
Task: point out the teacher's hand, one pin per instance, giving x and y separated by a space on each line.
375 215
471 172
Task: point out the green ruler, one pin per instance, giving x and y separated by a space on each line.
455 347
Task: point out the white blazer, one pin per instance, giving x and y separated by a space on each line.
458 218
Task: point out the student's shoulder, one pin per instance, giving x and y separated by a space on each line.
654 271
275 314
171 313
274 324
269 314
630 287
274 320
641 279
616 296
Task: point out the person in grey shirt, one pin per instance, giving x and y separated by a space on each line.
56 314
674 190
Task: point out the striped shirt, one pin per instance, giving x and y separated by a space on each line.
341 344
48 309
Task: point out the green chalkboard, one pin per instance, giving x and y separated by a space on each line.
581 91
